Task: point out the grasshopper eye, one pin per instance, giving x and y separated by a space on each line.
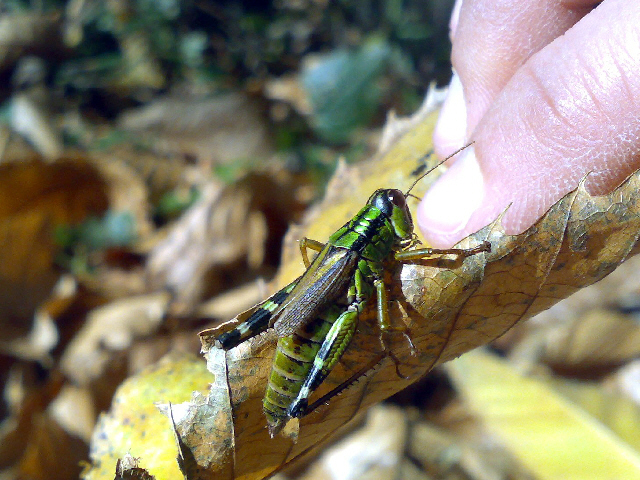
397 198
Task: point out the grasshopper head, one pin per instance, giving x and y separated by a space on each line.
393 204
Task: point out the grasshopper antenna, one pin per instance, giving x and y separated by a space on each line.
433 168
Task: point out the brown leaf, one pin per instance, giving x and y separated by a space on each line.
111 327
35 198
127 468
47 426
219 129
587 333
372 452
127 190
28 32
226 227
51 453
450 305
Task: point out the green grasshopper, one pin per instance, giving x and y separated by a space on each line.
316 315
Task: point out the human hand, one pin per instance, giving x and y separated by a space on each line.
549 91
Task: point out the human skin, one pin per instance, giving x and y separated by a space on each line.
548 91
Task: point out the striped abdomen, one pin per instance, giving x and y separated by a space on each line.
292 363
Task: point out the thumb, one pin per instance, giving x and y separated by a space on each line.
571 109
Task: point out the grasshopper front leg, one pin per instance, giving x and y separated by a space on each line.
420 253
407 256
383 317
386 327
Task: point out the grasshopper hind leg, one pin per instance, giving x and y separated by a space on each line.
338 339
334 345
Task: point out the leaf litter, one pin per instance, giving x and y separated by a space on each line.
127 305
117 313
449 310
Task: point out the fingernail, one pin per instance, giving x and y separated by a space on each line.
455 17
451 129
449 204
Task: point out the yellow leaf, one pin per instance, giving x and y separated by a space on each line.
135 426
553 437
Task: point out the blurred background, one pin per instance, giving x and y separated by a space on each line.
152 157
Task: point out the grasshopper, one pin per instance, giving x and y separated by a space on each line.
316 315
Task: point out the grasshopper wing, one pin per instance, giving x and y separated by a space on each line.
248 324
326 279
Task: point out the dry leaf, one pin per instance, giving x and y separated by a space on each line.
33 444
159 174
585 333
373 452
628 380
127 191
135 426
226 304
599 339
127 469
37 34
32 118
51 453
35 198
614 409
112 327
213 232
219 129
450 306
552 437
226 227
466 452
23 400
73 409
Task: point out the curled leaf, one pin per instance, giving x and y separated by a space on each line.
451 305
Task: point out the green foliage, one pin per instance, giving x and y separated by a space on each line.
343 90
112 230
173 203
115 229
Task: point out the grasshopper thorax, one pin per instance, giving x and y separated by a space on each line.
392 203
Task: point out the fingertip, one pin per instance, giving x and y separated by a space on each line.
451 128
445 210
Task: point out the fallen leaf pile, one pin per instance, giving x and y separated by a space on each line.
93 291
449 306
93 325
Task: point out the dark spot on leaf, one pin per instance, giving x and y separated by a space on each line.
419 170
422 163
